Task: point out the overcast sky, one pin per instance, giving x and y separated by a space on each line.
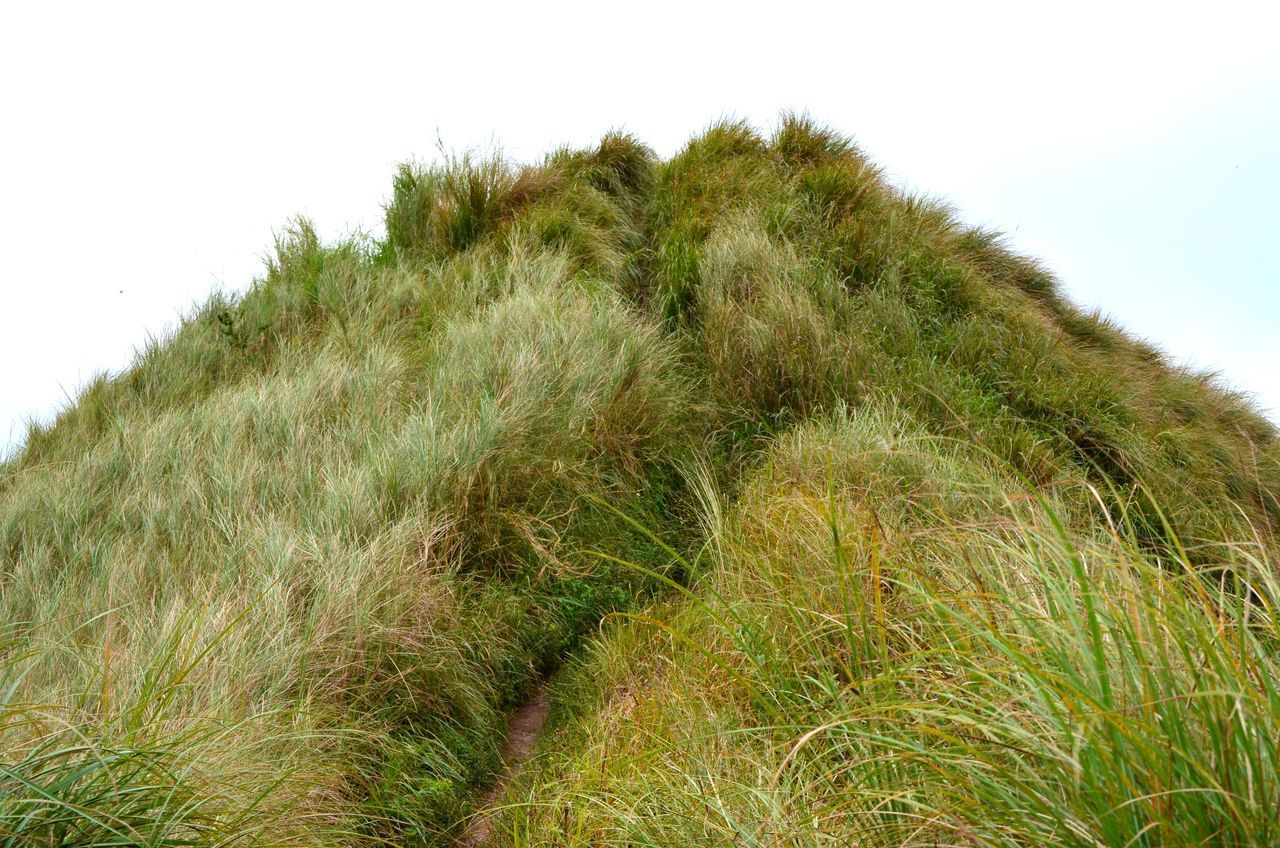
147 153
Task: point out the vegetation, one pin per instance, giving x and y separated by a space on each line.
888 649
829 518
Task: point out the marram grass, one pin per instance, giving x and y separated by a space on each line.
835 522
889 649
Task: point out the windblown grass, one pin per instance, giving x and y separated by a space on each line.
889 649
969 565
377 474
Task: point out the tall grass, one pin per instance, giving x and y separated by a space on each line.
889 650
368 511
969 565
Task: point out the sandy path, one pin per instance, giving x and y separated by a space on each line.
523 730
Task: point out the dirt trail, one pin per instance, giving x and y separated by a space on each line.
523 729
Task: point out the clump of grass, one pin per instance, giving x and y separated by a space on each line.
435 211
772 348
137 765
559 386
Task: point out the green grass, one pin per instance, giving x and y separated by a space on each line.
889 646
850 527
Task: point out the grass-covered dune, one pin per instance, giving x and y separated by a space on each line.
830 520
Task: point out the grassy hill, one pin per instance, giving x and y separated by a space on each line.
824 518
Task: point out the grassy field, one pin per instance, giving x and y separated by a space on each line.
830 520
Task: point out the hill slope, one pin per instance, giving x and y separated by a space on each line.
850 528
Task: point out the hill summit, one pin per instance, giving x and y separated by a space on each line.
814 515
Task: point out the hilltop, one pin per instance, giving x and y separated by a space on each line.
815 515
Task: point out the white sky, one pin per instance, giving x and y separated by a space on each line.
148 152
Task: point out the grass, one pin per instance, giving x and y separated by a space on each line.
849 526
891 646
